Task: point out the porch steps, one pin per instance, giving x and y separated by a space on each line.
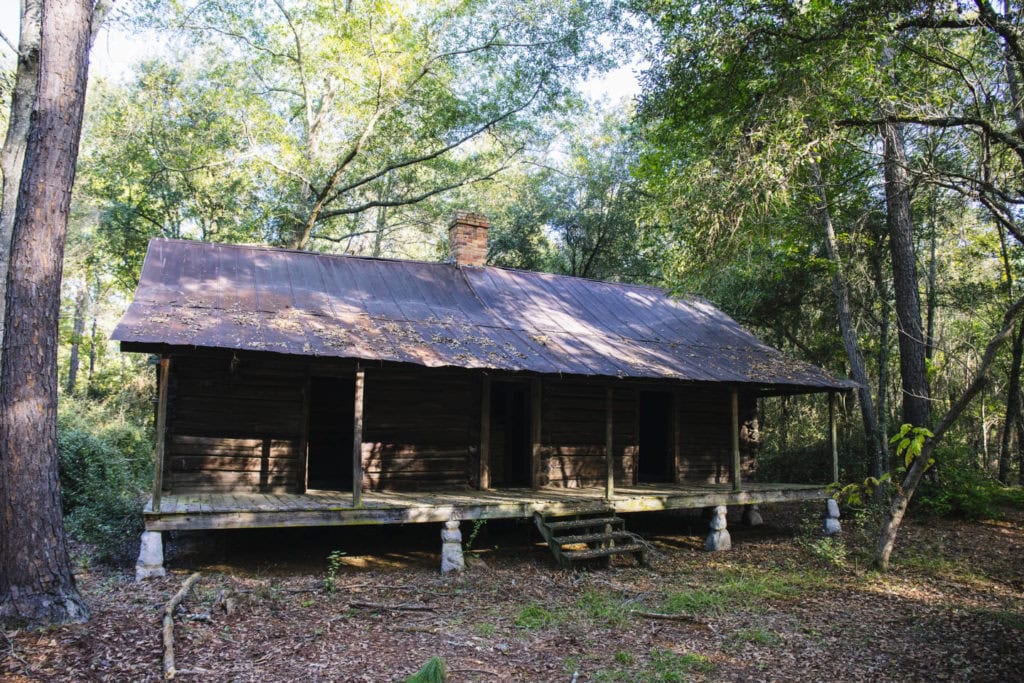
605 536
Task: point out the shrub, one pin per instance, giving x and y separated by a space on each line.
105 469
960 489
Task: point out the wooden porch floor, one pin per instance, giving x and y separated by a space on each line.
334 508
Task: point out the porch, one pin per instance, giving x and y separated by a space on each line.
335 508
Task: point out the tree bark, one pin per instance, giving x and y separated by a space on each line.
77 330
913 368
36 583
872 434
12 155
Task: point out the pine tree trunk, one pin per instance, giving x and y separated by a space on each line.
1012 405
77 330
873 436
36 583
12 155
913 369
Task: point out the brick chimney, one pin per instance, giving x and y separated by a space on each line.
467 238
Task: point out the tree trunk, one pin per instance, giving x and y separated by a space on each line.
913 369
931 298
882 292
36 583
898 507
872 435
76 336
12 155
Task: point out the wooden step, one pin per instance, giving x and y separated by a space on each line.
591 538
584 523
594 553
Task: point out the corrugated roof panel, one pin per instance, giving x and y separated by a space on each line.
433 314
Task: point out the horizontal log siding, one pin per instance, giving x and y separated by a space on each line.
706 444
573 434
421 430
234 425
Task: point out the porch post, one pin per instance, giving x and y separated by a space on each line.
832 439
161 432
609 446
677 438
535 426
737 485
485 433
357 441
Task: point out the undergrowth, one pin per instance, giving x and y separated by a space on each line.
105 461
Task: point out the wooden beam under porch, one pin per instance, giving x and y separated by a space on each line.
334 508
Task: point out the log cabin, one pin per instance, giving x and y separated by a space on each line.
298 389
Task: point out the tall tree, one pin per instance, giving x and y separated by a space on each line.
36 582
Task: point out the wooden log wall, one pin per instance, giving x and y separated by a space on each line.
573 434
705 422
234 424
422 429
237 424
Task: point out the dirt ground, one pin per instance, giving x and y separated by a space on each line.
783 605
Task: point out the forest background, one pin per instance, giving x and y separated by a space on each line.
844 178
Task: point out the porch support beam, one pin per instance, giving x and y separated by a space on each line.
161 431
833 440
677 437
535 431
357 441
304 437
609 443
485 433
737 485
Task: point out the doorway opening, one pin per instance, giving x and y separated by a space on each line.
510 447
331 410
655 461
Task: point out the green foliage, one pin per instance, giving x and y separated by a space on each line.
961 488
909 441
478 525
105 469
533 617
434 671
829 549
334 566
855 494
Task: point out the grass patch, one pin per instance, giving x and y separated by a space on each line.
755 636
534 617
603 608
661 666
484 629
1004 617
434 671
741 590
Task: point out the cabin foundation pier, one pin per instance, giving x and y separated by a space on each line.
151 556
719 538
752 515
451 548
830 522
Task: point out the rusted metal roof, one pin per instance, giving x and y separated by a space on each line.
435 314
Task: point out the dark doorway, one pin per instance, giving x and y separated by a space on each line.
655 460
331 406
510 452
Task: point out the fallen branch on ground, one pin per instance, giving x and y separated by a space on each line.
168 629
390 608
669 617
